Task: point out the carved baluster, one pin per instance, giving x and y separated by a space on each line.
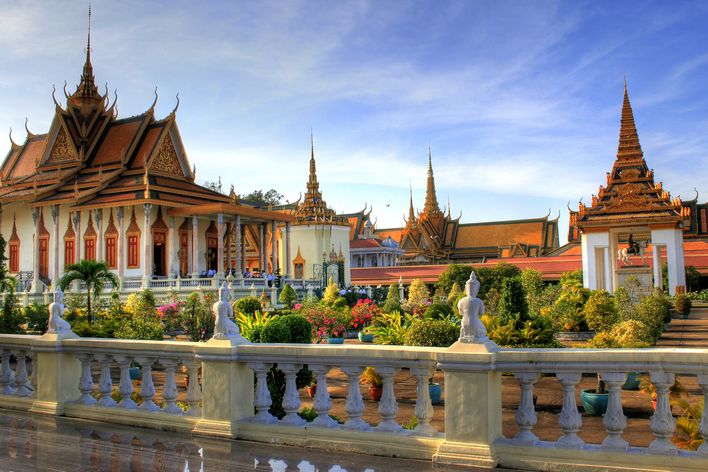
569 419
105 383
169 392
6 387
262 399
703 426
125 388
614 420
32 383
662 421
86 380
388 407
323 402
291 399
147 387
526 414
21 376
423 405
355 403
194 389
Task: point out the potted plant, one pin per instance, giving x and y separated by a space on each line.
312 387
328 324
682 305
362 315
375 382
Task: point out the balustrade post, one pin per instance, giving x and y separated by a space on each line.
21 376
614 420
227 389
105 384
147 387
86 380
703 426
355 402
323 402
169 391
473 409
423 405
662 421
262 401
291 399
55 375
194 389
569 419
526 414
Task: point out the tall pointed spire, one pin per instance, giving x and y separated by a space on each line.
313 168
629 147
87 88
411 211
431 199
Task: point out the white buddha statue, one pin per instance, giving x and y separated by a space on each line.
224 327
56 324
471 308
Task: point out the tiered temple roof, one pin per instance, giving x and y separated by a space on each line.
630 195
313 209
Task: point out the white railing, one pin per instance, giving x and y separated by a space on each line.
79 377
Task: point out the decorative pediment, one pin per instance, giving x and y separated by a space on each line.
159 224
133 227
111 229
63 149
90 230
166 160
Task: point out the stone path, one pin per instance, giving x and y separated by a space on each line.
689 333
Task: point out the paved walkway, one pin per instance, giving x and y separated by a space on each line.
689 333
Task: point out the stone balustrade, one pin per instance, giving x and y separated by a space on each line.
76 378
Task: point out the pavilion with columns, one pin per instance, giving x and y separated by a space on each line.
122 191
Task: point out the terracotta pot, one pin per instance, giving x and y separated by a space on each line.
311 390
375 393
653 404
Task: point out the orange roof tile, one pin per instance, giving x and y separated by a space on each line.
146 147
26 164
500 234
117 141
364 243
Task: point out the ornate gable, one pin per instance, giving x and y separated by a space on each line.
166 160
70 233
90 230
63 149
111 229
133 227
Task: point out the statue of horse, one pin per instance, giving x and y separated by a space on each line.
638 249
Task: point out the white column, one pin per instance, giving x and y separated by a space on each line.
274 246
608 269
673 240
195 246
121 243
656 257
172 248
147 246
288 261
56 274
261 250
239 255
98 216
229 232
36 288
243 249
220 227
76 219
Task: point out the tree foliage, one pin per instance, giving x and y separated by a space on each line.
270 197
95 274
493 277
453 274
512 303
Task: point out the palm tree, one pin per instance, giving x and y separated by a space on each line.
94 273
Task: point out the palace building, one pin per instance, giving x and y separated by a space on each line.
121 190
432 236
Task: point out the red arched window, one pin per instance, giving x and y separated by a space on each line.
14 248
69 244
90 241
111 243
133 234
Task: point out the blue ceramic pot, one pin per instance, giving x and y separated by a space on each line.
366 338
435 391
335 340
594 403
135 373
632 382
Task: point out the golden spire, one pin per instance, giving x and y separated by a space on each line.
87 88
629 147
411 211
431 199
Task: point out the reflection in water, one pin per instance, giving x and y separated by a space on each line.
38 443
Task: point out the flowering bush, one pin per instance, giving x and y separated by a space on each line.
326 321
170 316
363 313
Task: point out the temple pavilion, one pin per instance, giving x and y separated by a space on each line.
121 190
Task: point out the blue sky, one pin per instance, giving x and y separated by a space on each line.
520 101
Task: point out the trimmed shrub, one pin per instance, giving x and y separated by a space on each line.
287 296
300 329
513 301
429 332
197 319
37 317
393 302
600 312
682 304
247 305
438 311
652 311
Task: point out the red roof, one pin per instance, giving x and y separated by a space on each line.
364 243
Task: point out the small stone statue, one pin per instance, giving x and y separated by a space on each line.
471 308
224 328
56 324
